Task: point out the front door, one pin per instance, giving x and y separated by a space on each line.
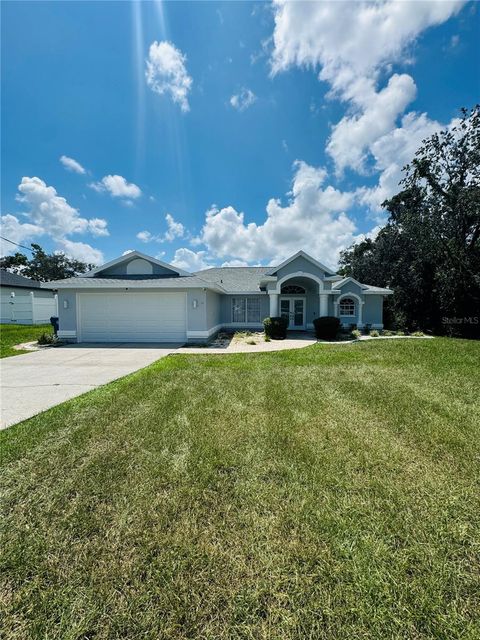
294 310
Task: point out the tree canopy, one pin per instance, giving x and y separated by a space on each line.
44 266
429 250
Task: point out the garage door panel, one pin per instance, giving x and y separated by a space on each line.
132 317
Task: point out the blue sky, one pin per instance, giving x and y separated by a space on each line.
220 133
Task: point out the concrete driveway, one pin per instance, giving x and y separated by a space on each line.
33 382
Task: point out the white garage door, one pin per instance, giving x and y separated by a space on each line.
132 317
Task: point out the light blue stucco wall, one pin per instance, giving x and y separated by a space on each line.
373 310
300 264
214 310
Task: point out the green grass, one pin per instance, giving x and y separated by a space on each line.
12 334
327 492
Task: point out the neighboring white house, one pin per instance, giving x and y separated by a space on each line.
25 301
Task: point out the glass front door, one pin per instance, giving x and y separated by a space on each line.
294 310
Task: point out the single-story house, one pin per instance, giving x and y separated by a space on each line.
137 298
25 301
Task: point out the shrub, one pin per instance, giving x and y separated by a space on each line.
356 333
276 327
374 333
267 338
46 338
418 334
326 327
387 332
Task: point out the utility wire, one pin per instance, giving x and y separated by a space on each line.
16 243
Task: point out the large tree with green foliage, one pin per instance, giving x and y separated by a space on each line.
44 266
429 251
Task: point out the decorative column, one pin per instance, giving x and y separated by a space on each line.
360 314
323 304
273 304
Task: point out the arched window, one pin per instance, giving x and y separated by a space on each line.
293 289
347 307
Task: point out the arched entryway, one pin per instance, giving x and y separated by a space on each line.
300 297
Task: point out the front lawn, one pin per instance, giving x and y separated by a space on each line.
330 492
12 334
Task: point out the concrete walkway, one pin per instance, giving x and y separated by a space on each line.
34 382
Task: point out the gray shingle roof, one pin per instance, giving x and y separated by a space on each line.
235 279
186 282
8 279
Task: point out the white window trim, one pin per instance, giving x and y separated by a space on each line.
244 321
347 315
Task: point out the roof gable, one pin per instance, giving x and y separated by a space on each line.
130 257
299 254
340 283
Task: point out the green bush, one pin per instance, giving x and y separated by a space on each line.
326 327
356 333
46 338
276 327
374 333
418 334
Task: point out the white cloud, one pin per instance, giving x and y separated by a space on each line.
127 252
50 214
190 260
117 186
392 152
81 251
352 137
351 40
98 227
242 100
313 219
351 43
166 73
145 236
174 230
16 231
72 165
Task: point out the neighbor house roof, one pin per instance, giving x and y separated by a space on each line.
8 279
235 279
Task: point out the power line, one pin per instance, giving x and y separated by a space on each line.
16 243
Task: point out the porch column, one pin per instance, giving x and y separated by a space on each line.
360 314
273 304
323 304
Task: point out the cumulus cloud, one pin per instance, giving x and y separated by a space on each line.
166 73
50 214
350 43
242 100
16 231
81 251
174 230
313 219
72 165
117 187
190 260
393 151
353 136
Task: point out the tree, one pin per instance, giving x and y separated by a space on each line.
44 266
429 251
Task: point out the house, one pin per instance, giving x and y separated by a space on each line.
25 301
136 298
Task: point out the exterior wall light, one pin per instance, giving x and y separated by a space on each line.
195 303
